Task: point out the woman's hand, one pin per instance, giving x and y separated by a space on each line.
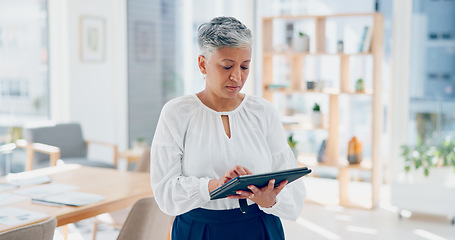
232 173
264 197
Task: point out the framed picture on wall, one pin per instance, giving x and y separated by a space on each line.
92 38
144 41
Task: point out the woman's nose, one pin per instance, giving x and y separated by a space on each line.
235 75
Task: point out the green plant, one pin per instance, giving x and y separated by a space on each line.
291 141
429 156
360 85
316 107
301 34
140 139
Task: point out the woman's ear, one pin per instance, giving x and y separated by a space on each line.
202 63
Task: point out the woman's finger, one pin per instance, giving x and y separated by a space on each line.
254 189
231 174
241 194
281 186
241 170
271 185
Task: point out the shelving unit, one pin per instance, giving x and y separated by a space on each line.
297 86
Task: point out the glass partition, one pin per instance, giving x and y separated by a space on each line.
24 74
432 84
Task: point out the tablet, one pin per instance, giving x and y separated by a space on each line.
258 180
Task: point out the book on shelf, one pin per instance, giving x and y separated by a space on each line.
365 42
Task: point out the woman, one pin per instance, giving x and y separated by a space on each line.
204 140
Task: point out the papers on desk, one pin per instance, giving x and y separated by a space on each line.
45 190
20 180
70 198
55 194
7 198
6 187
13 216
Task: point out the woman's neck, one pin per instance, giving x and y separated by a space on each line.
220 104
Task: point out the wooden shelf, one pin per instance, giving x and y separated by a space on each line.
297 85
302 126
300 17
304 54
289 91
309 160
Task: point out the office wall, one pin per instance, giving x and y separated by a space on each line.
93 93
145 67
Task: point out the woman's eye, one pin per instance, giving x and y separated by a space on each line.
227 68
244 68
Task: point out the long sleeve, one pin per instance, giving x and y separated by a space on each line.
190 148
290 200
174 192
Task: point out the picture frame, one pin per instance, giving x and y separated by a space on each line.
92 38
144 41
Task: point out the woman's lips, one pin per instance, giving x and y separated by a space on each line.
233 88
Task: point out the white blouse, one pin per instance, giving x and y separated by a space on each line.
190 148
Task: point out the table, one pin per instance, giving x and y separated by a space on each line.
120 188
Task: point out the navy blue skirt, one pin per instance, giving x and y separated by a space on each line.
203 224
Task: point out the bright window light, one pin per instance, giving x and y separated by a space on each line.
365 230
427 235
317 229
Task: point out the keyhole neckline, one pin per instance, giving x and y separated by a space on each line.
240 106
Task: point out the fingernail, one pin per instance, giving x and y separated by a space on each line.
250 187
273 181
238 192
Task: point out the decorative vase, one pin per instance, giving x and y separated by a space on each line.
139 145
310 85
354 151
301 43
316 118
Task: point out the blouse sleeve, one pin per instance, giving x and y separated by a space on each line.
174 193
289 202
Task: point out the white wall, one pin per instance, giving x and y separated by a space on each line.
91 93
200 11
399 93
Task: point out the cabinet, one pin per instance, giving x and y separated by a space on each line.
294 82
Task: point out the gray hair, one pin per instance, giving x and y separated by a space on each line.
223 32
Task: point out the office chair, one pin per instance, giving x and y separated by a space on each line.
60 141
5 158
118 218
38 231
146 221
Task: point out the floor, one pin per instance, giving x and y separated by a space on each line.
323 219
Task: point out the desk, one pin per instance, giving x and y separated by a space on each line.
121 189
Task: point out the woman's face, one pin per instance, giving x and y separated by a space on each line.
226 71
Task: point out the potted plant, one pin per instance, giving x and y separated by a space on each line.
316 116
360 85
430 157
428 182
139 144
301 43
292 144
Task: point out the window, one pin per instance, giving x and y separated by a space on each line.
432 82
24 75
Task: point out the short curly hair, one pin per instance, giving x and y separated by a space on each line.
223 32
